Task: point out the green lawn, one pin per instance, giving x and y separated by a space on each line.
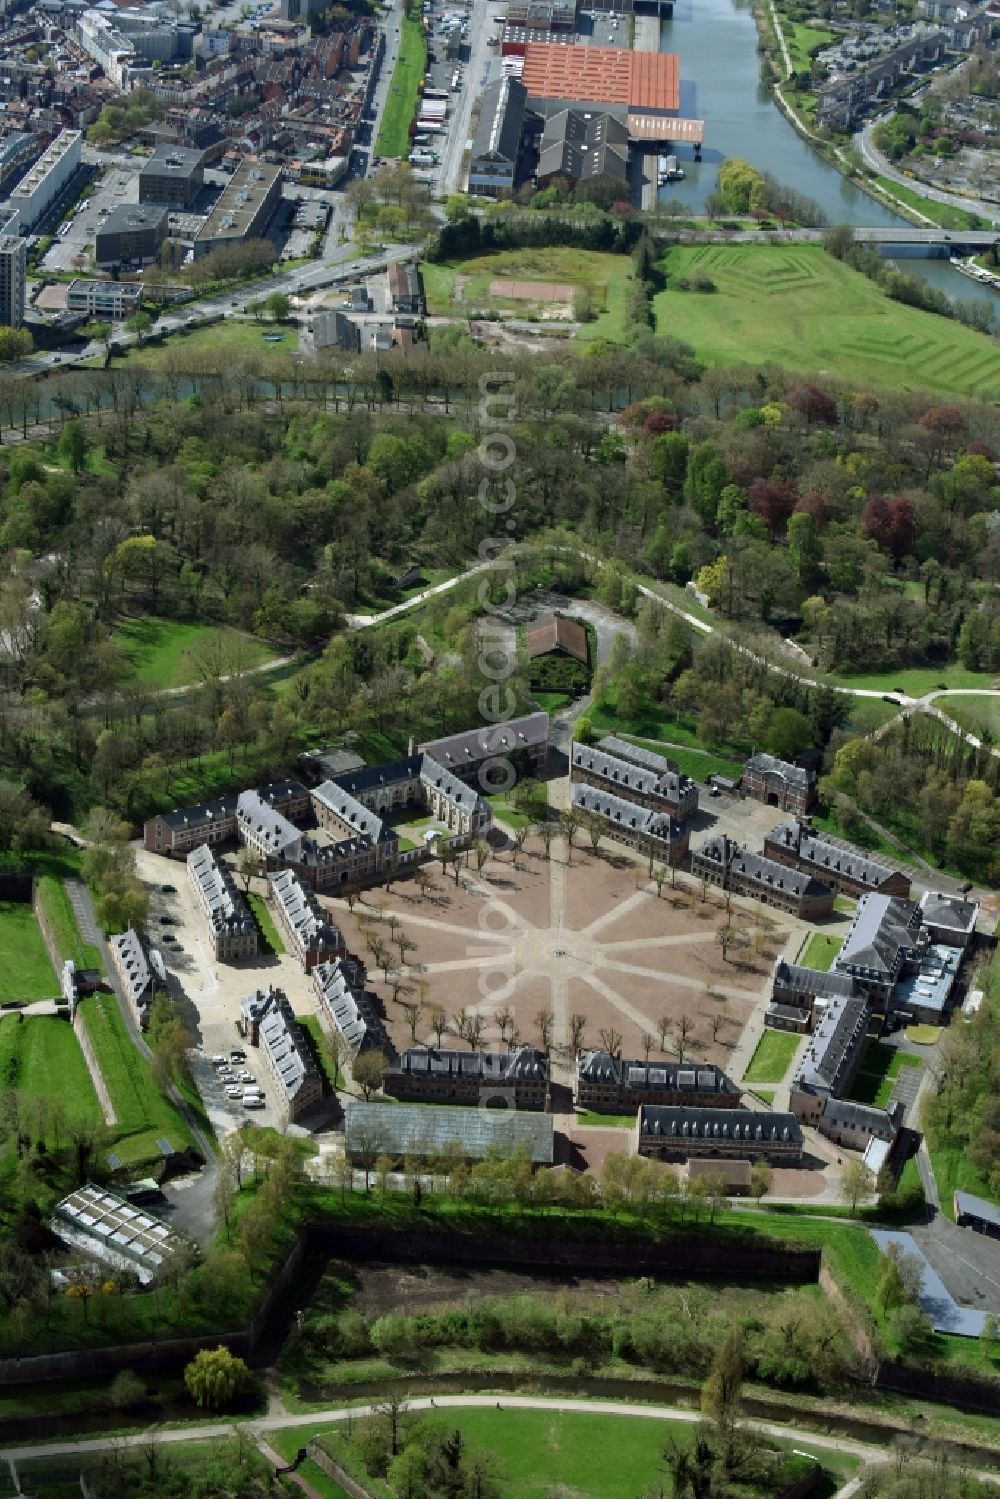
456 287
61 918
41 1056
141 1111
552 702
320 1049
243 338
799 307
605 1121
954 1172
698 764
945 215
766 1095
821 951
265 921
169 653
880 1066
974 714
917 680
401 103
772 1057
801 38
25 970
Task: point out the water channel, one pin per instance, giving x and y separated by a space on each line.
720 84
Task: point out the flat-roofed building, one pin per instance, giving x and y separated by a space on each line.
139 970
676 1134
231 927
779 783
111 301
852 871
309 932
244 209
105 1226
131 233
13 279
611 1085
269 1024
39 188
498 1079
831 1058
173 175
430 1131
493 161
724 862
655 834
638 775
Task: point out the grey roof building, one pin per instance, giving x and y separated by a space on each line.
580 144
270 1024
334 330
609 1084
140 971
976 1212
487 1078
655 833
831 1056
232 928
724 862
427 1130
495 145
794 984
131 232
882 941
172 175
523 741
778 782
311 935
948 919
740 1134
244 209
347 1007
107 1227
266 830
856 1124
638 775
837 863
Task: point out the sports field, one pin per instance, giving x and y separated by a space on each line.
169 653
25 970
797 306
455 288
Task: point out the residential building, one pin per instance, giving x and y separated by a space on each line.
882 943
335 330
977 1213
797 993
656 834
106 1226
231 926
493 163
13 279
306 928
678 1133
948 919
417 781
722 861
244 209
17 151
111 301
173 175
845 868
132 234
638 775
516 1079
578 145
176 833
779 783
831 1057
347 1008
267 831
497 753
269 1024
557 635
139 970
609 1085
433 1131
855 1125
406 292
39 188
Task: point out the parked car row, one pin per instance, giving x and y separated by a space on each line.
239 1082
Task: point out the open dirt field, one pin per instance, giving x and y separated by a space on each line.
588 936
531 291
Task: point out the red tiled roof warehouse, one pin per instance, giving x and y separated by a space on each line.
602 75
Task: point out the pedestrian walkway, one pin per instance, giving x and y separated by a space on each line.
83 910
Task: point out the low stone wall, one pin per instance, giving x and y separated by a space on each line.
948 1389
107 1362
339 1475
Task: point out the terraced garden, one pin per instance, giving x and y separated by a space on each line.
797 306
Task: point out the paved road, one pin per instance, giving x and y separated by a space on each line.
864 140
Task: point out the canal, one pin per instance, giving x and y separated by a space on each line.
720 84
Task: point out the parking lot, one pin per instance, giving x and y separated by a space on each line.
209 993
120 184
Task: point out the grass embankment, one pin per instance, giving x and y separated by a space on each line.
25 970
61 918
977 715
143 1115
401 103
880 1066
945 215
458 288
170 653
772 1057
40 1057
270 938
821 951
799 307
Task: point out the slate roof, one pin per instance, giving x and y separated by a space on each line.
303 912
813 983
475 745
832 1043
671 1077
139 977
222 809
339 986
257 816
647 780
582 144
281 1037
487 1066
636 755
501 119
949 911
665 1121
771 765
221 901
882 932
731 856
556 632
833 854
425 1129
881 1124
625 814
340 800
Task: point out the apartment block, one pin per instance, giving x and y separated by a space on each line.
231 926
306 928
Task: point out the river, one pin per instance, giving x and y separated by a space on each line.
720 84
